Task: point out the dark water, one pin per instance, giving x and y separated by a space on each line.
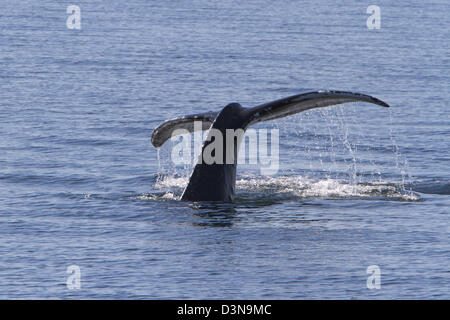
358 185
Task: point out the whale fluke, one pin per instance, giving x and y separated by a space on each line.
165 130
216 181
302 102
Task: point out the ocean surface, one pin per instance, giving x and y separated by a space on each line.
358 185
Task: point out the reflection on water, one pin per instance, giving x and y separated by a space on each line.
215 214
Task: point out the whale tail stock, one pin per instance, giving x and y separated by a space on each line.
216 181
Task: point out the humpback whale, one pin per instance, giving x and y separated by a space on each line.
216 181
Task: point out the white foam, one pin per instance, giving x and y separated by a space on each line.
325 188
168 182
163 196
299 186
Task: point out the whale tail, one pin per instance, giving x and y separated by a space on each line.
215 181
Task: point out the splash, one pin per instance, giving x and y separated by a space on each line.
296 187
401 163
165 182
158 196
304 187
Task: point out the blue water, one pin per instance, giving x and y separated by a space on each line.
358 185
